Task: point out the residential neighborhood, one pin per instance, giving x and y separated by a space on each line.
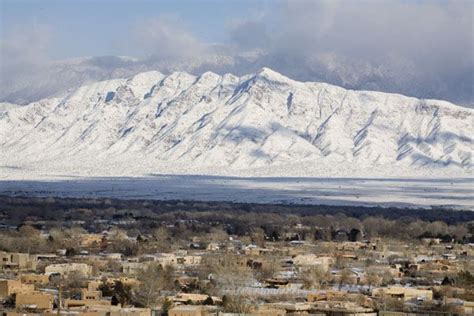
96 261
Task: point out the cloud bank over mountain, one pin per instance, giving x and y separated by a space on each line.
417 48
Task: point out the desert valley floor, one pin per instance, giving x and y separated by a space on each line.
455 193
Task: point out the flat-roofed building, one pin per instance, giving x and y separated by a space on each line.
9 287
34 278
34 300
65 269
17 261
88 295
313 260
403 293
192 310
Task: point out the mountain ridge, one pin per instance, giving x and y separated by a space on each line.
228 124
49 79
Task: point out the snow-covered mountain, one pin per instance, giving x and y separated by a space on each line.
259 124
49 79
37 82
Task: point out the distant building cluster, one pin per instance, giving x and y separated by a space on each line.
132 263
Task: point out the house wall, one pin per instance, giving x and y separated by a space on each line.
23 261
67 268
9 287
34 279
40 300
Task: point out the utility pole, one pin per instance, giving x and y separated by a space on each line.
60 295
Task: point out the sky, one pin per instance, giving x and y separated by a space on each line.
415 47
106 27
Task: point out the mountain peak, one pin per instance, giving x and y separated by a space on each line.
212 122
271 75
208 76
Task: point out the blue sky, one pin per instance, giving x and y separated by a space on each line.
88 27
423 48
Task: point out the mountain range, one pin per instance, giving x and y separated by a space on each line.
45 80
253 125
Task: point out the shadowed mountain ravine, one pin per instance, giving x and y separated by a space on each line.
262 124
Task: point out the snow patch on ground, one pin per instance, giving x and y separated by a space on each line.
453 193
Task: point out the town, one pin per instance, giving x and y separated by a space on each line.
100 257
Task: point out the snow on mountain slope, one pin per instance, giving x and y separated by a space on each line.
260 124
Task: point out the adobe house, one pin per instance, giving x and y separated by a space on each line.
34 278
313 260
17 261
72 303
64 269
34 300
184 298
192 310
265 310
133 268
9 287
88 295
403 293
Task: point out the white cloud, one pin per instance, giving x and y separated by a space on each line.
250 35
24 49
424 31
166 37
420 48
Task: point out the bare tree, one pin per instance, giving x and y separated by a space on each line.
228 273
372 277
153 280
236 304
345 277
315 277
163 238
